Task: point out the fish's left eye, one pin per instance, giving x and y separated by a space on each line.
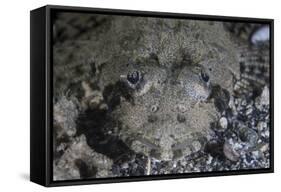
134 77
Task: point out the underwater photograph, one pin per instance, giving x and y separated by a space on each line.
144 96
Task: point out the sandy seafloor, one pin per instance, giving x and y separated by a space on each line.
101 127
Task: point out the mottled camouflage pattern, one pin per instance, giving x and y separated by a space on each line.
167 112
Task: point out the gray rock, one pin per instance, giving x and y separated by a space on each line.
230 153
248 135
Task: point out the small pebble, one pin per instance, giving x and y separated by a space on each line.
263 100
209 161
125 166
249 110
256 154
266 133
223 122
264 148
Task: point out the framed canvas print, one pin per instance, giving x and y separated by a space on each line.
119 95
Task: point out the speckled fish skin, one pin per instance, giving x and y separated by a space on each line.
170 109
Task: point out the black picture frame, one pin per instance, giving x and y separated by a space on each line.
41 94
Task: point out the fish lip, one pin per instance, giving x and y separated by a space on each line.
148 143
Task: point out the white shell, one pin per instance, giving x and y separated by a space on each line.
260 35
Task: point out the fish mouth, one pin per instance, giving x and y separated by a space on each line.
155 151
176 151
148 143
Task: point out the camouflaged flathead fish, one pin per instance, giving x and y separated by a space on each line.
152 82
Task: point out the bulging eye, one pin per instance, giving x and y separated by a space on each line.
204 76
134 77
